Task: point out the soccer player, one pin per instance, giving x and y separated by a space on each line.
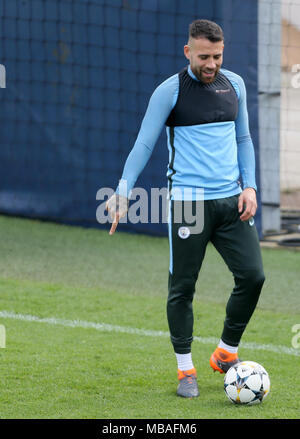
204 110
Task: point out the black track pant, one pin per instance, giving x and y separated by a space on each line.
238 244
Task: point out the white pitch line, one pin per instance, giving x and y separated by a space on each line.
105 327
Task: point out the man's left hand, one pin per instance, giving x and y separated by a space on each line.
247 201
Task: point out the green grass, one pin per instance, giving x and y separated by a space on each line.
52 371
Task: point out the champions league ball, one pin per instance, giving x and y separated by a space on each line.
247 383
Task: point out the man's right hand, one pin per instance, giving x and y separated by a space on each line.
117 206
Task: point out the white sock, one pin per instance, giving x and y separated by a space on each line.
227 347
184 361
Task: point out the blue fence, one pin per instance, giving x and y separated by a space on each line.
79 77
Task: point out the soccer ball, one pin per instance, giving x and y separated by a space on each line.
247 382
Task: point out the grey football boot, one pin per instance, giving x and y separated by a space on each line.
188 386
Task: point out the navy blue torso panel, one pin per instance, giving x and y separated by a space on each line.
200 103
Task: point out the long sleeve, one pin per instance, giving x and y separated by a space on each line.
160 104
245 149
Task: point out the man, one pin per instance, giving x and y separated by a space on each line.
205 112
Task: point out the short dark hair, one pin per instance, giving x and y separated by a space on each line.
206 29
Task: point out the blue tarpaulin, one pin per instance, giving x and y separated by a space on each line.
79 75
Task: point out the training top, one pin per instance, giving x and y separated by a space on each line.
208 136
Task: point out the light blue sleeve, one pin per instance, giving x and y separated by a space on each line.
245 149
160 105
246 155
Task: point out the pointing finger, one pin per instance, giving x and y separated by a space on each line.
114 224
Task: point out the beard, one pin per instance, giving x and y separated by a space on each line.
206 75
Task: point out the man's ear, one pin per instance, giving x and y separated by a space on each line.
186 51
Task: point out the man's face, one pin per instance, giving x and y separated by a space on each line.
205 58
